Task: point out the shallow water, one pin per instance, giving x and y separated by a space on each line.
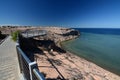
102 49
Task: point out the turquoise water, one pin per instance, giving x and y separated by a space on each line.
103 50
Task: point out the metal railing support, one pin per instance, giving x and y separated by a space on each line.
32 65
38 74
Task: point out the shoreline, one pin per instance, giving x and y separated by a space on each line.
73 53
95 65
110 73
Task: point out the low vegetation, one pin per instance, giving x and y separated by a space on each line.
14 35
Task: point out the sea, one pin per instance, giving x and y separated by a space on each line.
98 45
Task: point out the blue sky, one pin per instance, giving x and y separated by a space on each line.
70 13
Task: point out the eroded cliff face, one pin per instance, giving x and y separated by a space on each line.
61 34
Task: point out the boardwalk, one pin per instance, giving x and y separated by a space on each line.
8 61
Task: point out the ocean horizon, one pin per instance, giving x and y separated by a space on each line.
98 45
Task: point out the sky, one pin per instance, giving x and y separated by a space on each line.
67 13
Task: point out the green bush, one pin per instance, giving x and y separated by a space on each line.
14 35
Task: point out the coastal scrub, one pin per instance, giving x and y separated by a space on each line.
14 35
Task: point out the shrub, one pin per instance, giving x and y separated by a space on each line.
14 35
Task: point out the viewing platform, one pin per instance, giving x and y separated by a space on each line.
33 33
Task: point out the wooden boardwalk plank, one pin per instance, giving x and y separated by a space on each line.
9 69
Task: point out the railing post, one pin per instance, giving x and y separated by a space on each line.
32 65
